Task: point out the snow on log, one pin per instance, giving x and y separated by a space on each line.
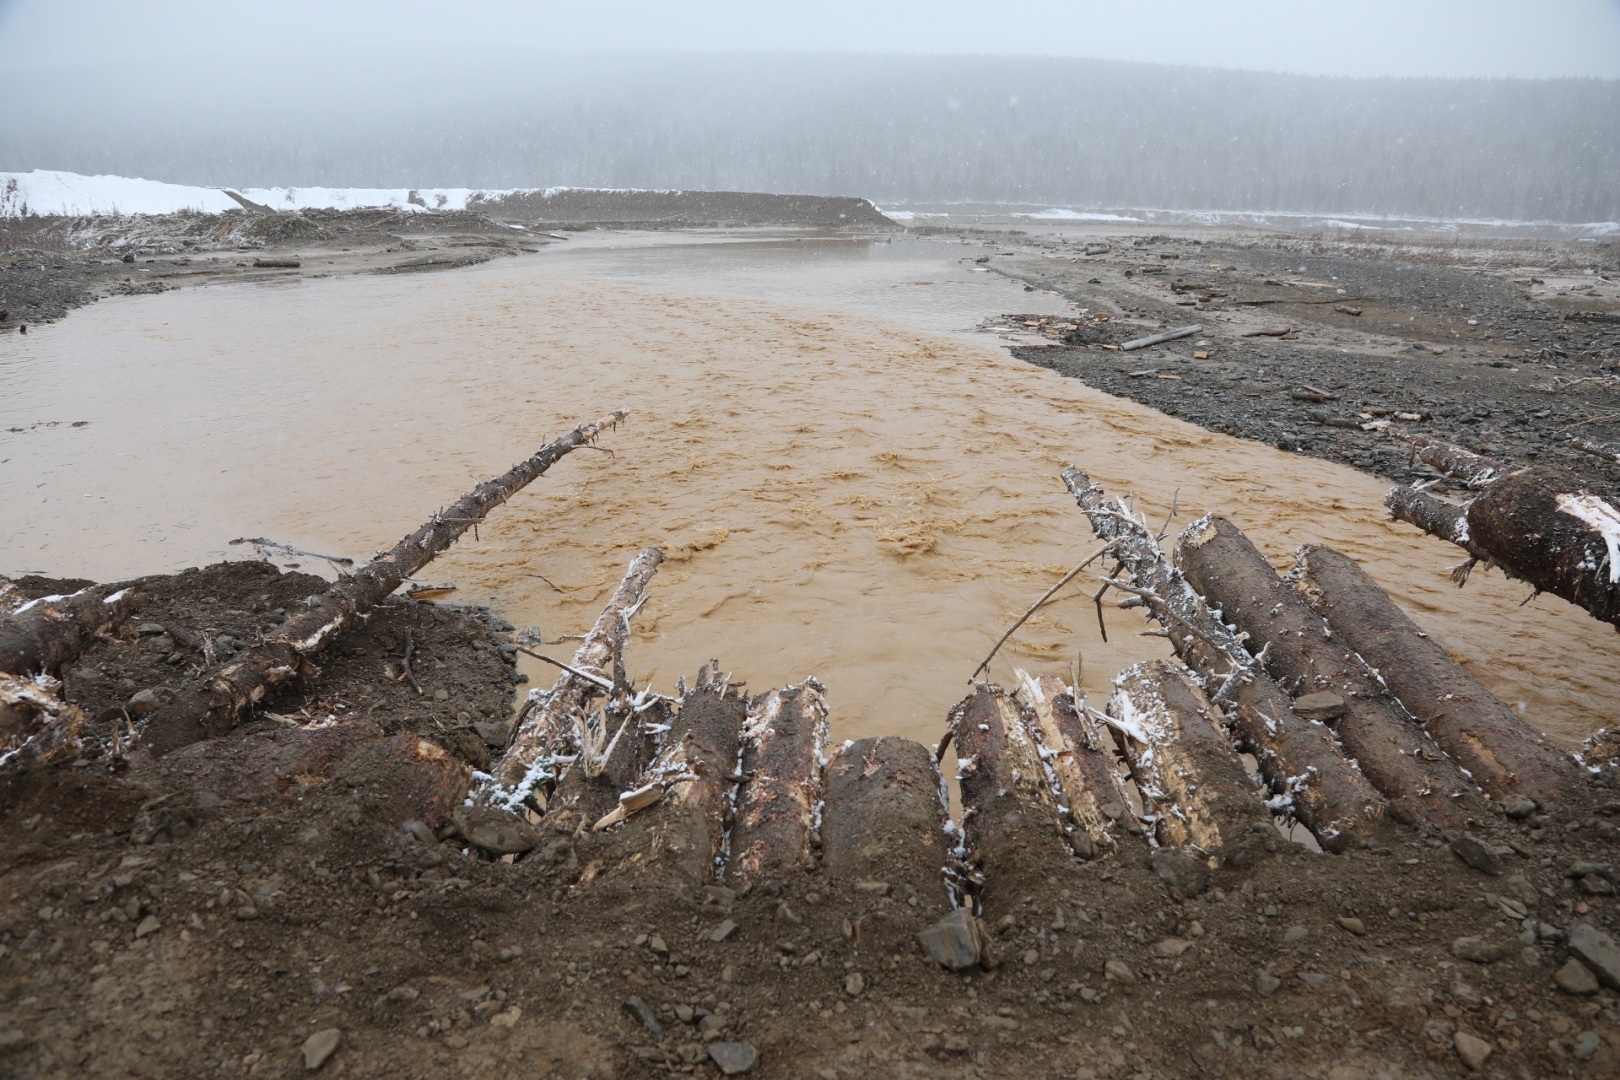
1471 468
1012 831
233 689
1082 761
784 740
559 713
1309 775
1503 754
1199 793
36 725
1297 649
42 635
1436 517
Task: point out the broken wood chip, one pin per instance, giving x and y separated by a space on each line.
429 592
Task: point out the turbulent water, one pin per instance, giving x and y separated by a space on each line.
849 482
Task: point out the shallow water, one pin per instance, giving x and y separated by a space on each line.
850 483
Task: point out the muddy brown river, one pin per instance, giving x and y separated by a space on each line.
849 481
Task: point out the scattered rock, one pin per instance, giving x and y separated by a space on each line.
1472 1049
641 1012
1120 972
953 942
1322 706
148 925
146 702
1478 950
855 984
1354 925
494 733
508 1018
320 1046
1518 807
733 1059
1185 876
1171 948
1576 978
1598 950
1267 984
149 629
723 931
1586 1045
1295 933
495 831
1476 853
879 888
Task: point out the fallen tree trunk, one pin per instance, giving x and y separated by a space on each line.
1309 776
1159 339
36 725
1502 753
1606 451
783 743
1292 642
1184 766
1475 470
237 686
528 765
1436 517
1079 756
44 634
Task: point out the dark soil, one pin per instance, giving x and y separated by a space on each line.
212 929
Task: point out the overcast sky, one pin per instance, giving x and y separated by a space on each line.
246 45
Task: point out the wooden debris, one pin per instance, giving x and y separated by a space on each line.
1182 761
1475 470
1434 516
1503 754
1270 331
1078 752
1606 451
37 726
1308 775
237 686
1159 339
42 635
1292 642
784 740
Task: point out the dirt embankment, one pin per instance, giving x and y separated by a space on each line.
1316 347
256 903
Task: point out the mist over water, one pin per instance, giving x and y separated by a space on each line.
1069 132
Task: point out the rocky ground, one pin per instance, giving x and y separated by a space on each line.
292 895
1510 352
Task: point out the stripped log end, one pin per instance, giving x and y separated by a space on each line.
784 739
1082 761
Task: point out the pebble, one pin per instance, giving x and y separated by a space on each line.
1576 978
1472 1049
495 831
1266 985
441 695
1031 957
723 931
1119 971
1184 875
1587 1045
1322 706
855 984
641 1012
1172 947
953 942
1354 925
320 1046
1598 950
1518 807
149 629
1476 949
733 1059
145 703
148 925
1295 933
1476 853
881 888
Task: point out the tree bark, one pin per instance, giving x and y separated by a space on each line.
236 687
44 634
1503 754
1606 451
1434 516
1081 759
1184 766
1308 774
1474 469
527 763
783 743
1394 752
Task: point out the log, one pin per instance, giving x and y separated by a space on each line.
1544 526
42 635
37 726
1183 764
1081 759
233 689
1159 339
529 762
1474 469
1309 776
1394 752
1436 517
1503 754
1269 331
784 740
1606 451
1010 823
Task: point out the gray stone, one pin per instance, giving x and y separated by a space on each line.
1352 924
1599 951
1313 979
1518 807
1267 984
1120 972
880 888
1081 844
723 931
1583 869
855 984
953 942
642 1013
1322 706
1587 1045
712 1024
494 733
1477 950
1476 853
149 925
1593 885
320 1046
1171 947
733 1059
441 695
1576 978
1295 933
495 831
1031 957
1473 1050
146 702
149 629
1185 876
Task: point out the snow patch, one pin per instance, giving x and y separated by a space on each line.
1060 213
1602 517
